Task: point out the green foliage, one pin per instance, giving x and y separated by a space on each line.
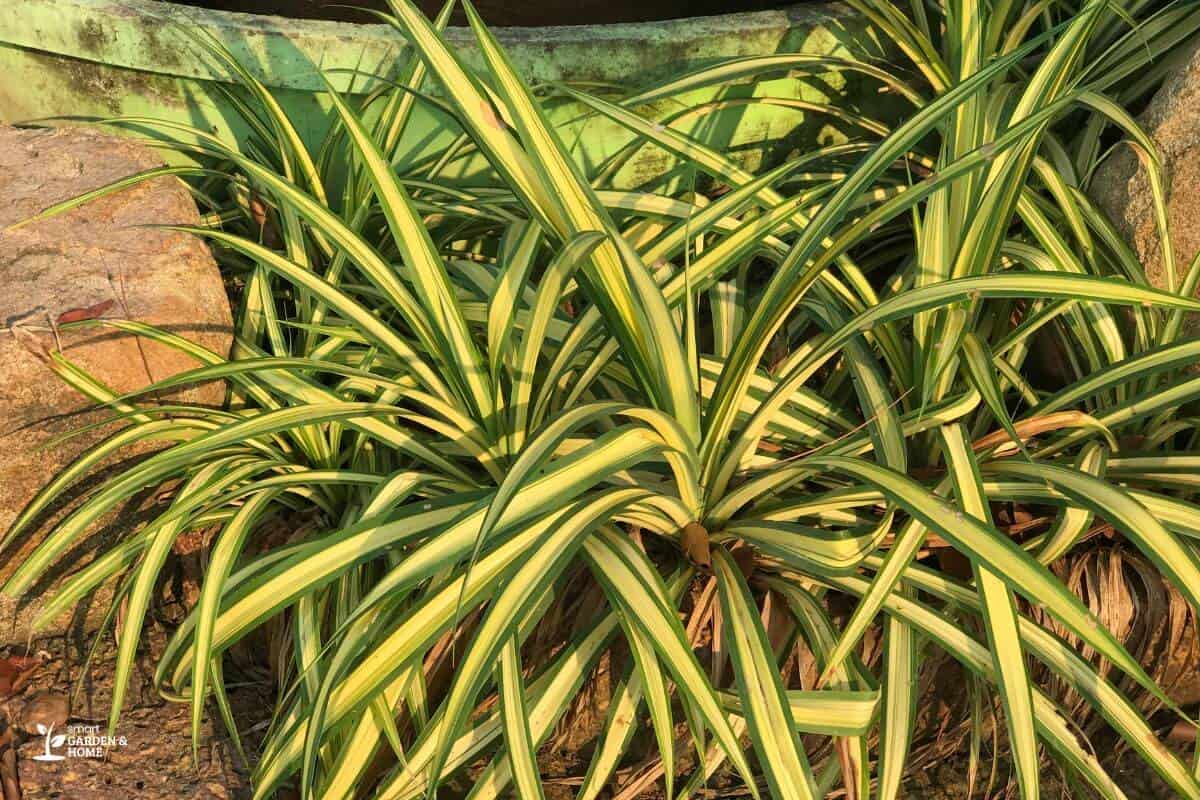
522 420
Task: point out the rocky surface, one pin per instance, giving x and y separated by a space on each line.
95 261
1121 186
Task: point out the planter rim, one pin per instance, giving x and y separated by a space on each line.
284 52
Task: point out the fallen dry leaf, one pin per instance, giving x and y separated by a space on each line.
744 557
694 541
15 672
84 312
1035 426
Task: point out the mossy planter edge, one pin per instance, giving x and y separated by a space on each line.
103 58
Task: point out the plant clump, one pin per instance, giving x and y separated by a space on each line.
766 446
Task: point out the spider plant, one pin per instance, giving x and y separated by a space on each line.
542 422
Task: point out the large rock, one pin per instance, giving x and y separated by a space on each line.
92 261
1121 185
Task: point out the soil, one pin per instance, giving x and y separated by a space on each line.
948 780
503 12
155 761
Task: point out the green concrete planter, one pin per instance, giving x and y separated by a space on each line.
128 57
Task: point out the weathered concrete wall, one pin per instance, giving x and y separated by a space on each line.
110 58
